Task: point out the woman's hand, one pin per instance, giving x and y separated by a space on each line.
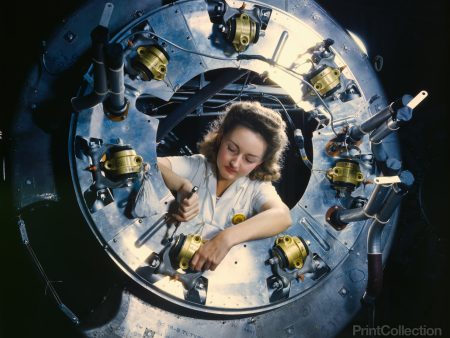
210 254
188 206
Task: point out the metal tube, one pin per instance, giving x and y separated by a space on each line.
280 46
357 132
374 278
350 215
376 199
395 109
384 130
382 217
116 102
99 37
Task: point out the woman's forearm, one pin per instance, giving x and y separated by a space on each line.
267 223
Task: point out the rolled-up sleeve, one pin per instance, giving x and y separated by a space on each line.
186 166
265 192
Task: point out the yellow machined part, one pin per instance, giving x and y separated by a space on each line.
154 61
326 80
346 172
123 162
245 32
192 243
238 218
293 249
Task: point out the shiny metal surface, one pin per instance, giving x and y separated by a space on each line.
238 286
240 281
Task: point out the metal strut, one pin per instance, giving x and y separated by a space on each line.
174 118
48 282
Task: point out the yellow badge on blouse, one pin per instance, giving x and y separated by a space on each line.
238 218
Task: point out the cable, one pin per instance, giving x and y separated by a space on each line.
234 98
288 117
301 78
179 47
246 57
297 76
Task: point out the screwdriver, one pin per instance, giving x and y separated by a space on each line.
177 223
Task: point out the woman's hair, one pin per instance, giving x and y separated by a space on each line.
261 120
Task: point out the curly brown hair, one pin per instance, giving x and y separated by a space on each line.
259 119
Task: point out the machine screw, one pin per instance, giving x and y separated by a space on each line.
70 36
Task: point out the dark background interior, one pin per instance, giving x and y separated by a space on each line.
412 38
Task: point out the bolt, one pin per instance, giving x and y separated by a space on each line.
69 36
201 285
222 28
276 285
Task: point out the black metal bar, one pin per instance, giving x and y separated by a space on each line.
187 107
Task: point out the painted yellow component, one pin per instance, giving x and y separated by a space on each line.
238 218
192 243
326 80
346 172
293 249
151 62
123 162
245 32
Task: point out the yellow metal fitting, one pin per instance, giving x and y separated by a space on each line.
245 32
123 162
191 244
293 249
151 62
346 172
326 80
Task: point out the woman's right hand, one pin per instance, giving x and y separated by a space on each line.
188 203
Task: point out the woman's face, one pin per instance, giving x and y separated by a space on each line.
240 151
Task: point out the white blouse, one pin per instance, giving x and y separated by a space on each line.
244 196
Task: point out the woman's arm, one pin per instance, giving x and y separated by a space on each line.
273 219
188 202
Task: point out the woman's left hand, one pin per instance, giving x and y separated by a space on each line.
210 254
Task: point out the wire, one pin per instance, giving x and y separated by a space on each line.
288 117
301 78
234 98
181 48
245 57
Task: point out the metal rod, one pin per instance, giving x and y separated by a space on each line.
187 107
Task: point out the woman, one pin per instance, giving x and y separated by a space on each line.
239 157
